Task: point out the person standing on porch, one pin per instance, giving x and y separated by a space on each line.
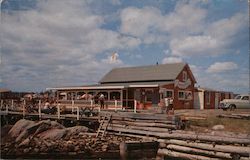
101 99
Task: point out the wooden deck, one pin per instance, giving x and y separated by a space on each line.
50 116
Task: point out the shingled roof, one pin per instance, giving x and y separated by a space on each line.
162 72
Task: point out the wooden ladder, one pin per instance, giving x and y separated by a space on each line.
103 124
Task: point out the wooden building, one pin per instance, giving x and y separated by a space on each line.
148 85
206 98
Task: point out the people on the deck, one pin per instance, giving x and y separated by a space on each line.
96 99
101 99
48 108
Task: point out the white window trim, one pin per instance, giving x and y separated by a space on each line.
171 90
183 95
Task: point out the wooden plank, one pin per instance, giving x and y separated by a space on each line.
144 124
198 151
153 129
175 154
146 116
212 147
207 138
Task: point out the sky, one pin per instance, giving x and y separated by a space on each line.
51 43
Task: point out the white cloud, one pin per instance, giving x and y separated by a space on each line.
56 43
138 22
185 29
172 60
216 39
225 29
222 67
149 23
195 45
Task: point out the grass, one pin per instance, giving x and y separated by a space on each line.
232 125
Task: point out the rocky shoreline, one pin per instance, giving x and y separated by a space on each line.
27 139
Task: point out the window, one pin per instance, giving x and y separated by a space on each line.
207 95
168 94
115 95
181 95
238 97
149 94
185 95
188 95
245 98
184 76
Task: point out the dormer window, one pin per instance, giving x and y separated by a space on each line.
184 76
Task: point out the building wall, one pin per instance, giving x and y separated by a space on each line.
212 95
182 103
207 104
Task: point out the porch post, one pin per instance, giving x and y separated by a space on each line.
127 97
121 98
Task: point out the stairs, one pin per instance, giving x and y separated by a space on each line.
103 124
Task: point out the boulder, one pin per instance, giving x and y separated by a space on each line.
20 125
218 127
25 142
76 130
53 134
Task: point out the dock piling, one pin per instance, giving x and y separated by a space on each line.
24 104
115 105
77 116
58 111
135 106
7 108
72 105
12 104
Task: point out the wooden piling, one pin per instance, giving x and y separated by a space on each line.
135 106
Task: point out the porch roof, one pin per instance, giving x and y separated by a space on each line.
115 86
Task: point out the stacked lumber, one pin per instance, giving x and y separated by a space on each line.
179 143
235 116
143 122
206 146
202 150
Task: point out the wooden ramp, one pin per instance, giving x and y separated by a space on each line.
105 120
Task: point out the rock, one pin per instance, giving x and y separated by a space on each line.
218 127
57 125
26 150
104 148
26 142
77 148
53 134
76 130
19 126
36 150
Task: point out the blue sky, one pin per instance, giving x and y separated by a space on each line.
49 43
